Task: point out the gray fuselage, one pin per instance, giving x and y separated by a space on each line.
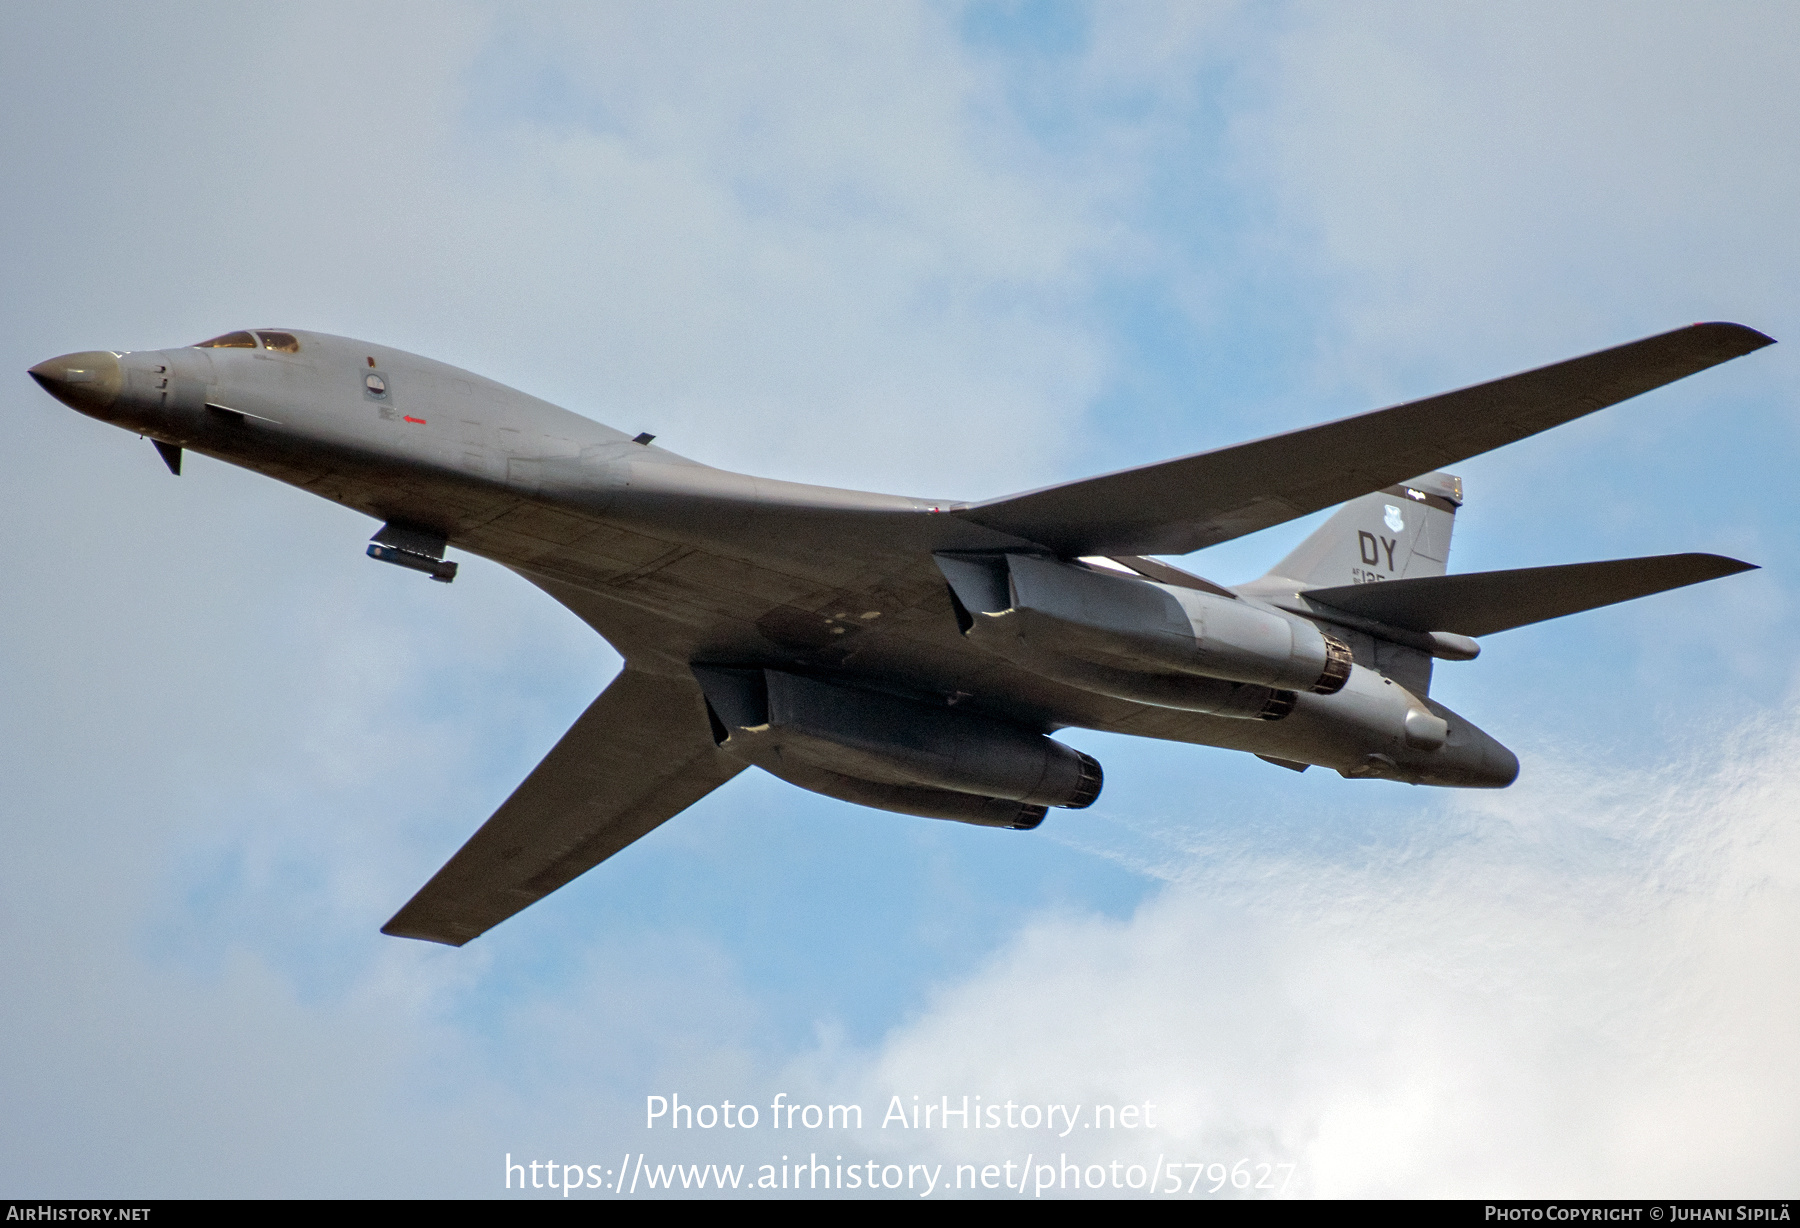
680 564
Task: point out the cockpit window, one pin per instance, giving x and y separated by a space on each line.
230 341
287 343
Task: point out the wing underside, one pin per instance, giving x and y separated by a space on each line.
639 755
1183 505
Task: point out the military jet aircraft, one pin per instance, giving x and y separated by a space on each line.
912 655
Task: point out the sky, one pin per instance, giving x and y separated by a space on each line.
953 250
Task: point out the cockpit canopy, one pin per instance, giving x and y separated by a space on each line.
262 338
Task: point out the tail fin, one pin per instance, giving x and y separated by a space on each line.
1402 532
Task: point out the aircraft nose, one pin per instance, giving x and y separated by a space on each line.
88 381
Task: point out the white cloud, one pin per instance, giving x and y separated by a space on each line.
803 240
1481 182
1582 986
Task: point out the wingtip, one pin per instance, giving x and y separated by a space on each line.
1723 565
396 929
1744 338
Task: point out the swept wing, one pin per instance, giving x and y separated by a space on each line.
1183 505
641 754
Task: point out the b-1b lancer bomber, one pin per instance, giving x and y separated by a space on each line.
913 655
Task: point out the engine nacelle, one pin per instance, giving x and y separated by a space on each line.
1153 643
893 753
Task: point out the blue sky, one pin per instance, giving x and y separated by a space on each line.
940 249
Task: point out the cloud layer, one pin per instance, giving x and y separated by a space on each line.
1578 987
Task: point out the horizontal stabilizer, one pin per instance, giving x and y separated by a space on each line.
641 754
1183 505
1483 602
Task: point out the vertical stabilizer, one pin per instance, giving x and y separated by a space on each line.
1402 532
